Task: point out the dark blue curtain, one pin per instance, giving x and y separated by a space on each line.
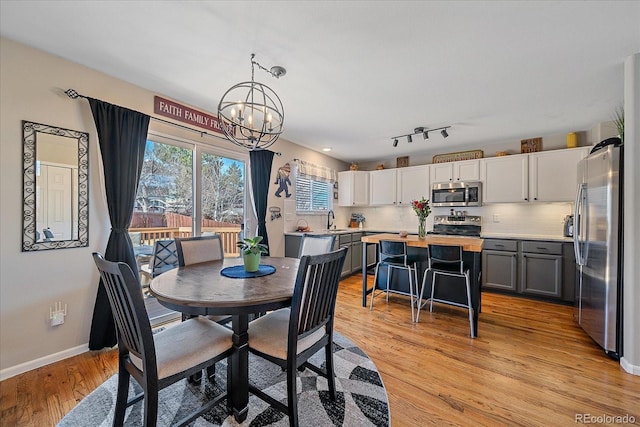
260 161
122 134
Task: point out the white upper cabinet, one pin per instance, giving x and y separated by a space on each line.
398 186
382 187
466 170
553 174
505 179
413 184
353 188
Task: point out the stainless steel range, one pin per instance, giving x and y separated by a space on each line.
457 224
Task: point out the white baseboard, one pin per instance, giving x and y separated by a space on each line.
632 369
42 361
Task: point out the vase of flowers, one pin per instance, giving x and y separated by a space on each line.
251 249
423 210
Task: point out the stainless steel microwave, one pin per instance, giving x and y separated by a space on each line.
459 193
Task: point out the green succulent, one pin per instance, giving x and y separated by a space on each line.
252 245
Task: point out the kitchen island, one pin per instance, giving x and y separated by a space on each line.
472 249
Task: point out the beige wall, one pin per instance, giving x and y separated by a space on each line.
31 88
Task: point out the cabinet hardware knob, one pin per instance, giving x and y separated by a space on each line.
526 198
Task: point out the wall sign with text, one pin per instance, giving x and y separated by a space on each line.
182 113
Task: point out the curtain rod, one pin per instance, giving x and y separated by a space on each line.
73 94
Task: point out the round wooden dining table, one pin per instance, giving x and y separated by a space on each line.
201 289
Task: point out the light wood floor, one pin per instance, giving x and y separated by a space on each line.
530 365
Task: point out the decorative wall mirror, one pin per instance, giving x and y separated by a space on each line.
55 187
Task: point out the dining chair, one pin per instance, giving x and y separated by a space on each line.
158 360
394 256
290 336
446 260
315 245
193 250
164 258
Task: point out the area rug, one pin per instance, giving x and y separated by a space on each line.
361 396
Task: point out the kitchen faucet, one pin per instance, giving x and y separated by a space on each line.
330 216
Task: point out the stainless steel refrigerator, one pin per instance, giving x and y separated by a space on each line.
598 245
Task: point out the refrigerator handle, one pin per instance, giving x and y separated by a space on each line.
576 225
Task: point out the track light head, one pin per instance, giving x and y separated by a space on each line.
409 139
425 135
444 133
395 142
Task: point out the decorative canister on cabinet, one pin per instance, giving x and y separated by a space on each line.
572 140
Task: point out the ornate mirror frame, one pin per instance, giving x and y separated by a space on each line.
30 241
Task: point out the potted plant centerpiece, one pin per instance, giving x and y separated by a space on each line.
251 249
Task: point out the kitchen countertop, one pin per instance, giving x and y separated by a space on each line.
470 244
341 231
547 238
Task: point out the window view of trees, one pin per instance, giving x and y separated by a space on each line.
166 180
222 189
165 190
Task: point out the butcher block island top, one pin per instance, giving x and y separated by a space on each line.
469 244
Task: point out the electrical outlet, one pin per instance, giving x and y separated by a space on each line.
57 313
496 218
57 319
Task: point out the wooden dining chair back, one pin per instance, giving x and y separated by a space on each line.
158 360
446 260
316 245
194 250
290 336
394 256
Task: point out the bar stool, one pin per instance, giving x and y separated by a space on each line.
447 261
394 255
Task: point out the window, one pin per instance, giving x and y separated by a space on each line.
223 196
176 199
312 195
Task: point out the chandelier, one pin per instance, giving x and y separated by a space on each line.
252 114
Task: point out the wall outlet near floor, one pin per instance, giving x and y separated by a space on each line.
57 313
496 218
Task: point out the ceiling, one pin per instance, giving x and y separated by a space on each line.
361 72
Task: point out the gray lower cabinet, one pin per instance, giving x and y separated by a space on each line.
529 267
291 246
356 256
500 265
344 241
541 267
351 241
372 250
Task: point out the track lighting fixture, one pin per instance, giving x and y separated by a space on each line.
421 130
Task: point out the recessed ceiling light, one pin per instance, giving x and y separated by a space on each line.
326 149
